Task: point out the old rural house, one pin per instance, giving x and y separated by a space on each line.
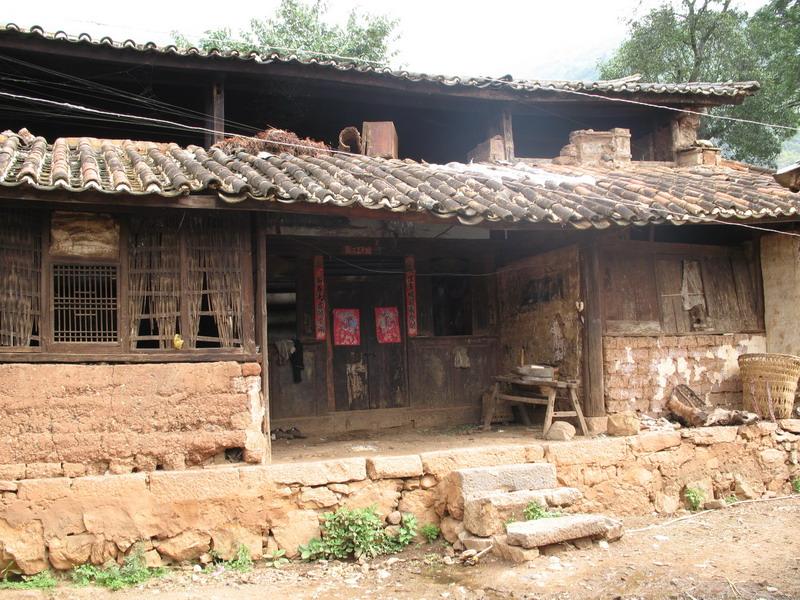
165 303
382 289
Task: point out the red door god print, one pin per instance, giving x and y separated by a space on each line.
346 327
387 325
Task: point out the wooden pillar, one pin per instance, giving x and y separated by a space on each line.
215 113
593 388
508 134
499 143
261 303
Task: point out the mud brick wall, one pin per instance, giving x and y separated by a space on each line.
640 372
179 515
72 420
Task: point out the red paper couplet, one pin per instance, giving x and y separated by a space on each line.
320 304
411 297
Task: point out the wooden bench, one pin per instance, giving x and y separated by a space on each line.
543 393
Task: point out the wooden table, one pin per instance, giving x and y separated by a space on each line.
544 394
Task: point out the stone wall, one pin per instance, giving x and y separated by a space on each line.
71 420
640 372
180 515
780 267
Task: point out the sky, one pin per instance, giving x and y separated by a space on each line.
552 39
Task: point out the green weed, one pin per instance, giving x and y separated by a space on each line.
694 497
796 485
535 511
358 532
132 572
277 559
41 581
430 532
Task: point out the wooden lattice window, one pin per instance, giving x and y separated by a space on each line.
20 280
84 303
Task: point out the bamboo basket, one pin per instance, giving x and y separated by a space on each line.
769 379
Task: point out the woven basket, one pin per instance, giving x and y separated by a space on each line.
777 373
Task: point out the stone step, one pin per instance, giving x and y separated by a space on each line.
487 514
464 484
543 532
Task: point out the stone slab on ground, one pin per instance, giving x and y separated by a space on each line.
501 548
389 467
487 515
543 532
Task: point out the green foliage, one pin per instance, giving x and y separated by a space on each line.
711 40
796 485
430 532
277 559
132 572
356 533
731 499
242 562
694 497
301 25
41 581
535 511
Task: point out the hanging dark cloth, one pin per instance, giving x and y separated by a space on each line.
296 360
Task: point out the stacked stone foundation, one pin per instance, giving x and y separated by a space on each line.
181 515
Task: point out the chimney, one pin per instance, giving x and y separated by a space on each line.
380 139
589 147
701 153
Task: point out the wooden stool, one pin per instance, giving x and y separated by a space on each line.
545 395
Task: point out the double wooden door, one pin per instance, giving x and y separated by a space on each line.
368 342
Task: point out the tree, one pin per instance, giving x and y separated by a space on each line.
301 28
712 40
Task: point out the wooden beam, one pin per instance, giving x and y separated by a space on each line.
215 113
261 301
593 386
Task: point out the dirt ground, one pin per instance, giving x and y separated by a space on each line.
743 551
399 441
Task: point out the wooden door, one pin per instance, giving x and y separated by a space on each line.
369 369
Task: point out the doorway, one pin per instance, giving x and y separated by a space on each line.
368 341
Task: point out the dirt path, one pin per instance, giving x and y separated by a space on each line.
746 551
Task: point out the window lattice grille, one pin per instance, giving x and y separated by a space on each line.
84 303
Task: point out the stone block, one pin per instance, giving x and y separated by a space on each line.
342 470
383 495
70 551
451 529
317 497
543 532
205 484
296 529
23 546
188 545
225 542
441 462
560 431
472 542
421 504
707 436
392 467
790 425
655 441
7 486
623 424
596 425
602 452
251 369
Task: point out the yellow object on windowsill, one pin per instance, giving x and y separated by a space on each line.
177 341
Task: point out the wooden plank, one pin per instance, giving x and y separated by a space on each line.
123 318
668 283
155 356
629 287
633 327
720 291
594 392
248 304
745 292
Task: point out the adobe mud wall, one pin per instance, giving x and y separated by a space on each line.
72 420
640 372
180 515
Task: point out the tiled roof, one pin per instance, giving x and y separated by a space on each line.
581 196
627 85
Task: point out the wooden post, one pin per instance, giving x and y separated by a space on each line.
215 114
261 296
508 135
593 388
